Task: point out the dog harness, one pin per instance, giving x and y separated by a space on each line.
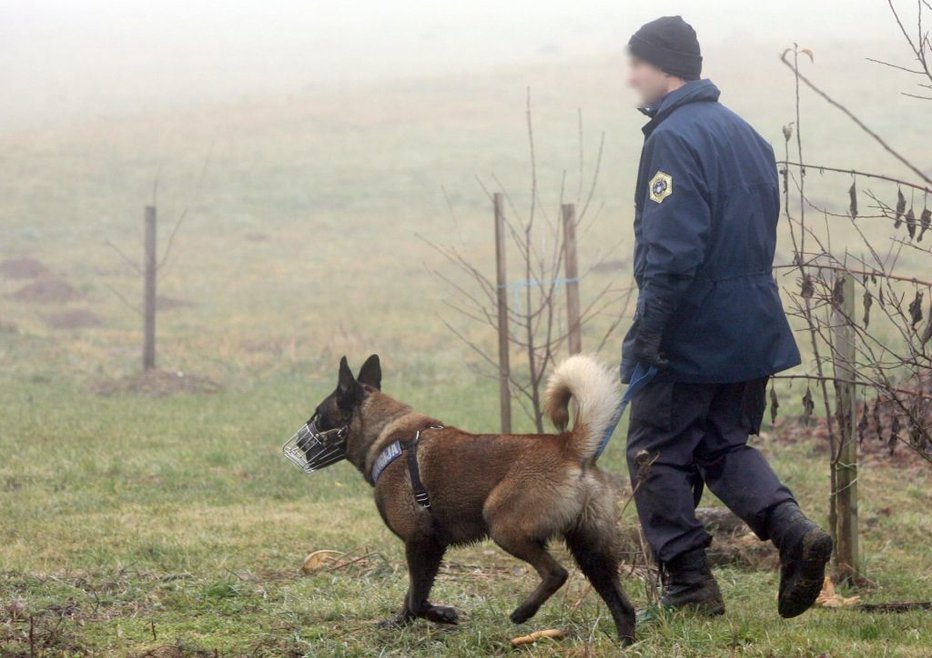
392 452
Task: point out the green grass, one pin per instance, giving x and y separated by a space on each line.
179 515
130 523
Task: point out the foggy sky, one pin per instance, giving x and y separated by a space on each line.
64 60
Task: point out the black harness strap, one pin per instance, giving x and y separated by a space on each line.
394 450
420 492
414 471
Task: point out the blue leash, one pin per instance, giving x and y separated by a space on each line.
639 379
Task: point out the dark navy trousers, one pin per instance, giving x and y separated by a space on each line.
683 436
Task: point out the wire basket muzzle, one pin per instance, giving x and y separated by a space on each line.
311 450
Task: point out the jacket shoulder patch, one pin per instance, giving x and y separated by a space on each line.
660 186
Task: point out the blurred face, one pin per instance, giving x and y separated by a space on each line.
650 83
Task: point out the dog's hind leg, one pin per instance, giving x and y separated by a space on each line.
424 556
593 547
534 552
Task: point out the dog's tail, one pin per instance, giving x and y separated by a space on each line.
596 392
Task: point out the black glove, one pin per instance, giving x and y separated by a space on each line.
646 349
649 334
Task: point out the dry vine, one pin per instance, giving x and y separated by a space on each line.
536 328
884 217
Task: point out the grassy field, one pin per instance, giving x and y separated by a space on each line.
172 526
133 525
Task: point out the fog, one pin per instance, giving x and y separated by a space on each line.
62 60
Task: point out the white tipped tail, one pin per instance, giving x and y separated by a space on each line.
596 392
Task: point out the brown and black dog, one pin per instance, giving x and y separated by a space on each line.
521 490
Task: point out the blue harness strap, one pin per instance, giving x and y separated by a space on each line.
387 456
639 379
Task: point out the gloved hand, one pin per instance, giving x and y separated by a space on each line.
646 349
649 334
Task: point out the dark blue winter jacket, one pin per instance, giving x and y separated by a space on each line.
706 210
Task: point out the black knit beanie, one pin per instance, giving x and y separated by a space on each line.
670 44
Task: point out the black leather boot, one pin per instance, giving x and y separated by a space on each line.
688 583
805 549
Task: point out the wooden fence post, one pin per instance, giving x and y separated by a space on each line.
148 349
571 271
847 554
504 368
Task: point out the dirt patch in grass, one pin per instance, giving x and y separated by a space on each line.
50 633
79 318
23 267
157 383
882 441
884 431
733 543
47 290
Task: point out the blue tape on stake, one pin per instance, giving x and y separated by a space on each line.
639 379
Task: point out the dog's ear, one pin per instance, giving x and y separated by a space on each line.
346 385
371 373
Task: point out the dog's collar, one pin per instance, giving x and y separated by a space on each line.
393 451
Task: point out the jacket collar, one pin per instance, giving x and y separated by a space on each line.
694 91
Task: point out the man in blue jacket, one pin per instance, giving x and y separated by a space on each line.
710 322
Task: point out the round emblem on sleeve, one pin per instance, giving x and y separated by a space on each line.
661 186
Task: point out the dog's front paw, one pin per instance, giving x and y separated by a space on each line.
441 614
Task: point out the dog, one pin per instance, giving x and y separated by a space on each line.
455 488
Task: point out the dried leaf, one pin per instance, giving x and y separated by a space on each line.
918 435
551 633
319 559
807 289
900 208
894 433
829 598
927 334
868 302
853 200
878 422
774 404
880 299
911 223
808 404
915 309
863 424
925 222
807 51
838 292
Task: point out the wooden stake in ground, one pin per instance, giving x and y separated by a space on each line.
847 555
504 367
571 270
151 267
